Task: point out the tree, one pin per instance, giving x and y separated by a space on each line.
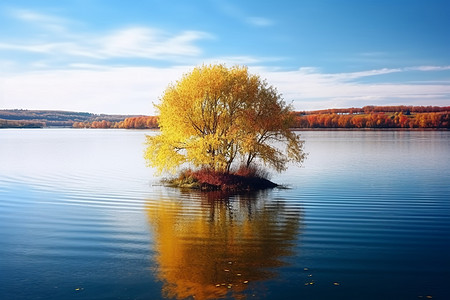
216 116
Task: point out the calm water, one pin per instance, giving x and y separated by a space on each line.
366 217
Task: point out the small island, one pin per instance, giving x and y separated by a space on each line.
208 180
225 124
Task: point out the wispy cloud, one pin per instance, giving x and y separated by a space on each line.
44 48
59 41
361 74
147 42
246 60
259 21
238 13
138 42
429 68
35 17
49 22
311 89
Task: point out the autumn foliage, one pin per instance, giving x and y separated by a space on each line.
217 116
376 117
10 118
143 122
408 117
435 117
20 124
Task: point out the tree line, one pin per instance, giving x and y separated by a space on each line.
365 117
17 118
143 122
20 124
405 109
373 120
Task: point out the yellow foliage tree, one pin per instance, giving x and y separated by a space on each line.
216 116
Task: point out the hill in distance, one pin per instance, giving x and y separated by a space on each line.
53 118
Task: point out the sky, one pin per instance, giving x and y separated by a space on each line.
118 57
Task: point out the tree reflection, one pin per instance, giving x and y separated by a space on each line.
210 245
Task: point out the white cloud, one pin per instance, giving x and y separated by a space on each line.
137 42
38 47
88 87
260 22
35 17
236 12
128 90
241 60
49 22
361 74
132 90
55 39
146 42
310 89
429 68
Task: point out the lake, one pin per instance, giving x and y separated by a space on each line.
367 216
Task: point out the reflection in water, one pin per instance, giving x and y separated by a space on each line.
209 245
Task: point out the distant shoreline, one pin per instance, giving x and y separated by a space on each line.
370 129
368 118
293 129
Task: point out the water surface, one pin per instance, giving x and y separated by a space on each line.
366 217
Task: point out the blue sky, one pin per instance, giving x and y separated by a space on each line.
118 56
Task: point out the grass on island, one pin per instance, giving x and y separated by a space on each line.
244 179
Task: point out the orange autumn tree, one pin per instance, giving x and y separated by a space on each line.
216 116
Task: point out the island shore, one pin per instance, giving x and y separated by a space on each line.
209 180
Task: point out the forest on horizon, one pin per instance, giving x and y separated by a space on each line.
434 117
